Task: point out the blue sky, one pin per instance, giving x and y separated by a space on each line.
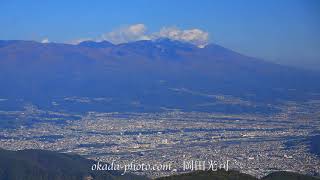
285 31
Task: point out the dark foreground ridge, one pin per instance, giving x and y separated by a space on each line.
204 175
48 165
235 175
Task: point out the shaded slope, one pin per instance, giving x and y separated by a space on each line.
211 175
47 165
235 175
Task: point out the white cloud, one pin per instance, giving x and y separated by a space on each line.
45 40
193 36
127 34
138 32
77 41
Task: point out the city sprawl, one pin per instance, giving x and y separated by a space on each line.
256 144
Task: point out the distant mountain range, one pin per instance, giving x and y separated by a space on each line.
48 165
144 75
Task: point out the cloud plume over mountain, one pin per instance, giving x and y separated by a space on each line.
127 34
193 36
138 32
